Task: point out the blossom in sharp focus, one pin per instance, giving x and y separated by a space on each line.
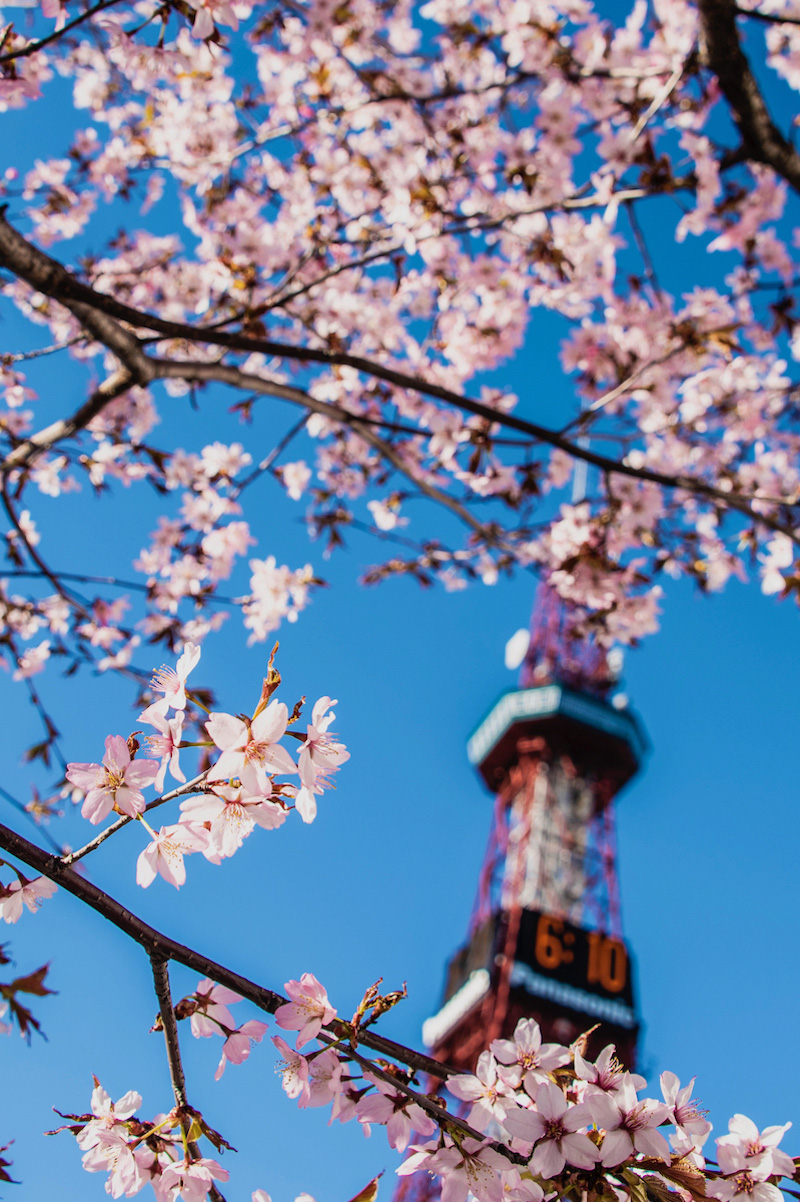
396 1111
191 1181
172 681
236 1048
117 783
746 1148
164 856
683 1111
250 748
485 1089
19 894
554 1127
309 1010
473 1168
165 745
294 1071
211 1014
630 1125
743 1188
606 1075
322 753
525 1059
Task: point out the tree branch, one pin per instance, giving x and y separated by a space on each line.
57 34
157 944
762 140
54 280
189 787
160 967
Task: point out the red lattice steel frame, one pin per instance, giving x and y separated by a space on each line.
601 907
555 653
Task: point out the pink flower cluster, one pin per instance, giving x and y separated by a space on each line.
211 1016
561 1113
238 793
136 1154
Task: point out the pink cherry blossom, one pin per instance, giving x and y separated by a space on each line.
22 892
630 1124
191 1181
322 753
309 1010
746 1148
606 1075
743 1187
164 855
525 1058
396 1111
164 745
232 814
249 748
472 1168
211 1014
485 1089
683 1111
172 681
114 784
294 1070
237 1046
554 1127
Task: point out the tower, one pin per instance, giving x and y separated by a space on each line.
545 938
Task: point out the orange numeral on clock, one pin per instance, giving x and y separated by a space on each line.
608 962
549 952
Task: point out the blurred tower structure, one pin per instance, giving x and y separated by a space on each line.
545 938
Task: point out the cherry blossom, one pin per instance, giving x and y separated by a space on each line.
294 1072
164 855
250 747
746 1149
485 1089
525 1059
191 1180
554 1127
114 784
322 753
309 1010
172 681
630 1124
24 893
396 1111
166 744
236 1048
471 1168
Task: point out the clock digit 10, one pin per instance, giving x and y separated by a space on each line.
607 960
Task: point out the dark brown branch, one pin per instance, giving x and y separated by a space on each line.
115 385
157 944
160 967
57 34
54 280
169 1023
769 18
443 1117
762 140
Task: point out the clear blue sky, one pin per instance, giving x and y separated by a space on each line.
382 884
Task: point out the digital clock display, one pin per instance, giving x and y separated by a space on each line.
588 960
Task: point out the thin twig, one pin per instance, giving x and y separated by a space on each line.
160 967
23 809
189 787
32 47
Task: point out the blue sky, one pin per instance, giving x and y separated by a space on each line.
382 883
